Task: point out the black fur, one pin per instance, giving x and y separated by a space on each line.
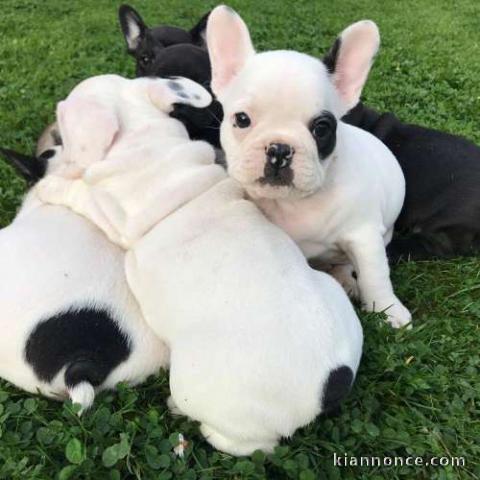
441 213
330 59
337 387
326 142
87 342
30 168
276 177
166 51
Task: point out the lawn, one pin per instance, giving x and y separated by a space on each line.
417 392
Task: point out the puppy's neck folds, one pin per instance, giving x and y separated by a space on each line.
146 176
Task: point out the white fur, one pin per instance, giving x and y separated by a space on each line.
340 209
52 260
254 332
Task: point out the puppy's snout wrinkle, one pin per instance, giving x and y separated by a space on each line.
279 155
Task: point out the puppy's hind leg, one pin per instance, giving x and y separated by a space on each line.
233 446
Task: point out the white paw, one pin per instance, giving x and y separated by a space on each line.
398 316
344 275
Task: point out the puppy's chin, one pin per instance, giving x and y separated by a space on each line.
304 179
259 190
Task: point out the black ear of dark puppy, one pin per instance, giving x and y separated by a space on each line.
133 27
330 59
30 168
198 32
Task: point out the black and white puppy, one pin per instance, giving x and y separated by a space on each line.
166 51
441 213
70 325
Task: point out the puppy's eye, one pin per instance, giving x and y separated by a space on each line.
145 59
323 125
242 120
324 131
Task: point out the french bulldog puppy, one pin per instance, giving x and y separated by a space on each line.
167 51
438 218
335 189
260 343
147 45
70 326
441 213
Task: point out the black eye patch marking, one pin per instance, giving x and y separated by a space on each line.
324 132
87 342
175 86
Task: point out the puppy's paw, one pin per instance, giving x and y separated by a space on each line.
345 275
398 316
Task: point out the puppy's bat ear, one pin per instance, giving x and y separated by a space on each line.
133 27
30 168
87 129
350 59
229 46
199 31
165 93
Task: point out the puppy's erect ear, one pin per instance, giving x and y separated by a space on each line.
30 168
350 59
165 92
87 129
133 27
229 46
199 31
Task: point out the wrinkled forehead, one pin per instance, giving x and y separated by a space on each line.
284 83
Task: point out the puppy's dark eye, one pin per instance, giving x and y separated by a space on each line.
242 120
324 132
145 59
323 125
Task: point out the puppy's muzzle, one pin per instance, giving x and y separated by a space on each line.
277 169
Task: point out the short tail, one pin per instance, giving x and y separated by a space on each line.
82 394
80 378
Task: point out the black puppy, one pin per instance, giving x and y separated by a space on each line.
441 213
166 51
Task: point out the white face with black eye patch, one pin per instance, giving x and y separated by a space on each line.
279 131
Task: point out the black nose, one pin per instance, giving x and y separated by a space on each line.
279 155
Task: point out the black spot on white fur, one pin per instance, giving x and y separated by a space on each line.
336 388
175 86
87 342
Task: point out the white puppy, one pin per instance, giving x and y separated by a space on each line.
260 343
70 325
334 188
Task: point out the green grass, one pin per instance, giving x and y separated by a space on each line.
417 393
